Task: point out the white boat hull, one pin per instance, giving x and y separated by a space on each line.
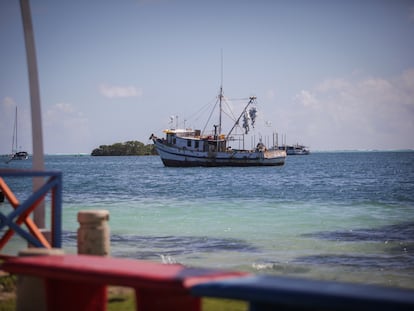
295 150
181 157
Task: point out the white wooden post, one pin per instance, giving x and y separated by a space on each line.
37 135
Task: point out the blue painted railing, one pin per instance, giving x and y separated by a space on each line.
264 292
21 213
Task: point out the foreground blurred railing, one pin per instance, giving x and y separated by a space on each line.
174 287
264 292
21 213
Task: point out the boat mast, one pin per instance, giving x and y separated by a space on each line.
220 100
16 145
221 94
14 141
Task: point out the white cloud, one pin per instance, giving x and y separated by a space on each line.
306 99
58 114
8 103
368 113
112 91
7 107
333 84
270 94
66 128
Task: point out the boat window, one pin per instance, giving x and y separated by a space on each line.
196 144
188 143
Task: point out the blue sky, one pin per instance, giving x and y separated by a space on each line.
333 75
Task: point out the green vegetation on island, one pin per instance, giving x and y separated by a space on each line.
129 148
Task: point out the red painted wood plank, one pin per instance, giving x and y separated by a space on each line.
157 286
114 271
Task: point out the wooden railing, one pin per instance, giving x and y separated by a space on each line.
264 292
21 211
79 282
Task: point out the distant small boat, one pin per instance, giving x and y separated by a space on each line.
20 155
295 149
188 147
16 155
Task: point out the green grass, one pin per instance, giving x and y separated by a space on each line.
8 304
210 304
125 301
7 288
119 299
8 283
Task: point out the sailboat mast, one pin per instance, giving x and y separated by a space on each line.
15 124
14 138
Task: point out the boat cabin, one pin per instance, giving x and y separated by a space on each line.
189 139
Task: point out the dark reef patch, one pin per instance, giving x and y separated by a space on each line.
396 232
152 247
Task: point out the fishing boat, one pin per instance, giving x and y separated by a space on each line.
187 147
15 154
296 149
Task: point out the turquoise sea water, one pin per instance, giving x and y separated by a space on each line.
346 216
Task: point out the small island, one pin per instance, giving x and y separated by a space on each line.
129 148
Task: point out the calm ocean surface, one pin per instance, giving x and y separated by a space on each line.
346 216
